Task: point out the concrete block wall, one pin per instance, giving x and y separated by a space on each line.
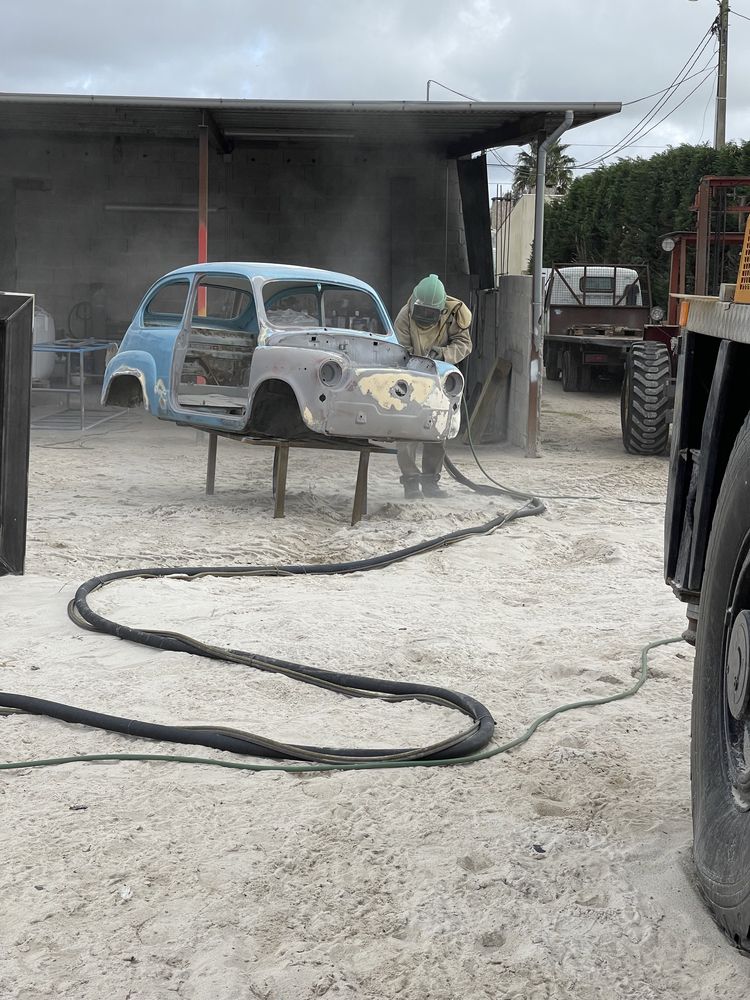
72 231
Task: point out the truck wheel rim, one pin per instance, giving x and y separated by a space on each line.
736 687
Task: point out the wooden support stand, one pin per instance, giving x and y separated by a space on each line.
281 465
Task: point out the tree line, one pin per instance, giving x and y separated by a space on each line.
619 214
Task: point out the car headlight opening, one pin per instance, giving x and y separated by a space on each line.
453 384
331 373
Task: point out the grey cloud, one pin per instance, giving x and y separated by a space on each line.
331 49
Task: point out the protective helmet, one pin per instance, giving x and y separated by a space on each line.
428 300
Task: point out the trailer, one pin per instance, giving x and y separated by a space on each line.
707 564
599 320
594 313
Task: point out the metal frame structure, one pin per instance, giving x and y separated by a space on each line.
707 240
79 349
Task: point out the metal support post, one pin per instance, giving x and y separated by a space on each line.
720 124
202 209
211 464
537 305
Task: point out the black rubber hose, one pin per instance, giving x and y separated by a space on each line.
463 744
207 736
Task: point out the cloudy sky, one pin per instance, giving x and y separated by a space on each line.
492 50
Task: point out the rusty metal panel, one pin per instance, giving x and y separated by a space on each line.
564 318
16 325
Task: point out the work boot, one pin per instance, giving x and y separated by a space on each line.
411 487
432 489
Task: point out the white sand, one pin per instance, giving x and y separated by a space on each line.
211 884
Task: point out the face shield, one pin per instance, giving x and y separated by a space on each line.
424 316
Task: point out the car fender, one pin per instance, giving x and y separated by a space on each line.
141 366
298 367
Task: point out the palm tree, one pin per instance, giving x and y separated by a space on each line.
559 173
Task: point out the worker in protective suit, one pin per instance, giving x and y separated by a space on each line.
430 325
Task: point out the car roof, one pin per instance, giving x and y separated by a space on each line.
282 272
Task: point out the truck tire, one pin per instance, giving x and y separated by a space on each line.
576 377
720 742
571 372
645 399
552 366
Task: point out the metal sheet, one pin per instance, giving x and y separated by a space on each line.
472 181
728 320
16 338
453 126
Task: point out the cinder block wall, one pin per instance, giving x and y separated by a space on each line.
75 223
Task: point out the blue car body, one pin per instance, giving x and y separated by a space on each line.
282 351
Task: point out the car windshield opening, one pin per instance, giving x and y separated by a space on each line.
299 305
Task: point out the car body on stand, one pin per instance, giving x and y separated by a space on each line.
279 351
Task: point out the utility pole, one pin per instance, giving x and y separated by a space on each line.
720 124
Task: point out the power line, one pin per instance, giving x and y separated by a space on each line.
637 131
656 93
675 108
594 163
737 14
705 112
473 100
633 134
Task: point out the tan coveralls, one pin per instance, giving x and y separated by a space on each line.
451 338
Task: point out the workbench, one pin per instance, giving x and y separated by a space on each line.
281 448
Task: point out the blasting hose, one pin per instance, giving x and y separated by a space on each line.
466 746
467 741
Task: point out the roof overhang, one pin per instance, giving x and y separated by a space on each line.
455 128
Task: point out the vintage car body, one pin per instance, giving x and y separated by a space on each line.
281 351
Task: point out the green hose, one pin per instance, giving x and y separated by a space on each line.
362 765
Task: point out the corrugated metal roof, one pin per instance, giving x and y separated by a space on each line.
455 127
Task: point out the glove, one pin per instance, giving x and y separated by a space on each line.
436 353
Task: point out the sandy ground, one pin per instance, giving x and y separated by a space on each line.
155 880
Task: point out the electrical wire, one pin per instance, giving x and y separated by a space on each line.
474 100
677 106
705 112
635 133
600 160
656 93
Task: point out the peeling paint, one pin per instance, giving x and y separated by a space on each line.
162 392
311 422
380 386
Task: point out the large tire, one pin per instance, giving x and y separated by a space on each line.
552 366
571 372
720 746
645 399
